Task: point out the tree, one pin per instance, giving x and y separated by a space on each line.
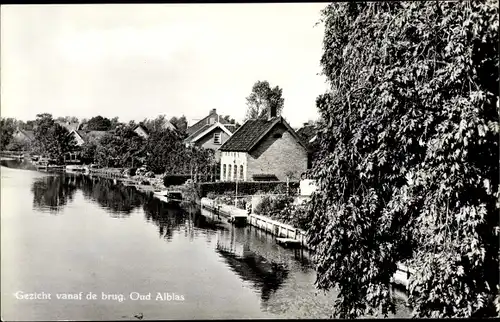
52 139
120 148
88 152
229 119
67 119
98 123
262 98
114 123
180 123
164 152
7 129
409 164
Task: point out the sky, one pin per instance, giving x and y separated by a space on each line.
138 61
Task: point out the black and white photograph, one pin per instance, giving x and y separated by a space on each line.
220 161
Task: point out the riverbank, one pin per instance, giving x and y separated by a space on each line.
287 235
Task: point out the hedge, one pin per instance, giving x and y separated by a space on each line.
179 179
247 187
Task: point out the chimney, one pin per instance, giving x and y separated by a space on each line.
213 111
306 124
272 112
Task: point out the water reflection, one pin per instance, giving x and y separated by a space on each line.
16 164
264 274
168 218
52 193
119 199
214 257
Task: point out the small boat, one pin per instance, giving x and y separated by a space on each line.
75 168
170 197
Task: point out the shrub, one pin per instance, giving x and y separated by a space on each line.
247 187
295 215
273 205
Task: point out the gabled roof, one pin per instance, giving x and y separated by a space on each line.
29 134
252 132
87 136
206 130
196 127
145 129
75 126
307 133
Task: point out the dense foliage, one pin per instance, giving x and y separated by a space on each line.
409 169
180 123
7 129
262 98
121 147
248 187
164 148
270 205
296 215
98 123
51 139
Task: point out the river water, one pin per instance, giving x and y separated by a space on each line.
115 253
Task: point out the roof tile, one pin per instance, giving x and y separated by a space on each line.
247 135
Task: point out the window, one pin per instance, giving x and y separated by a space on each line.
217 138
241 172
235 174
224 172
229 173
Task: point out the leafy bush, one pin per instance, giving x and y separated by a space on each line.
175 179
272 205
297 216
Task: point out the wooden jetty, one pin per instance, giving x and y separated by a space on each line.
234 215
288 242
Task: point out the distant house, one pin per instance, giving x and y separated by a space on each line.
142 131
211 132
263 150
82 137
71 126
169 126
208 121
308 134
22 135
210 137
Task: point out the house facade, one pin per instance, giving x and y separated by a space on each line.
263 150
211 132
210 137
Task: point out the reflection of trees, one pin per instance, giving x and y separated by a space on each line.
120 200
166 217
52 192
15 164
268 276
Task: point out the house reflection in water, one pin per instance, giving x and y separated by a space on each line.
268 276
